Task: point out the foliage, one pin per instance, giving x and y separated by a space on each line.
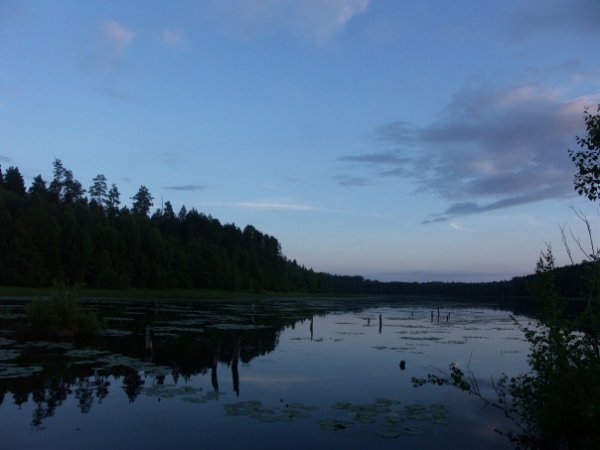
13 181
54 233
587 178
61 316
557 403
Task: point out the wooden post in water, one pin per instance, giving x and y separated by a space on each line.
214 379
148 339
380 323
235 375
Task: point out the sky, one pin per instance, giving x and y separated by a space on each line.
406 140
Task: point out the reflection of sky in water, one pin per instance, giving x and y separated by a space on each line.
347 360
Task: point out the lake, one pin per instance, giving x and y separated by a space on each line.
276 373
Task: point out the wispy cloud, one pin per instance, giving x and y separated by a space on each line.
344 180
5 159
277 205
172 37
186 187
117 38
318 20
490 148
459 227
111 92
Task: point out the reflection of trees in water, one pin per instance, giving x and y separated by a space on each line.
186 356
132 385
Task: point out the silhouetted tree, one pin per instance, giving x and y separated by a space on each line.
13 181
142 201
38 187
587 160
113 199
99 191
58 180
73 191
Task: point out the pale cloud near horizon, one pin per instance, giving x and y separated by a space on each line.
186 187
318 20
281 205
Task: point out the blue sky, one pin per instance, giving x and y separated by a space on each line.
396 139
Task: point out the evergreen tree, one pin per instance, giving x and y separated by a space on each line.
99 191
1 178
142 201
13 181
58 180
38 187
73 191
113 199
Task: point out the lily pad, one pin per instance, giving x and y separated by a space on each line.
9 371
335 425
9 354
388 433
415 431
237 326
114 332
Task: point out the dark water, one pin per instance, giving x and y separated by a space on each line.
299 373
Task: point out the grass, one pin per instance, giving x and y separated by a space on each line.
154 294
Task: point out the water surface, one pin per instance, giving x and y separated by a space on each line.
283 372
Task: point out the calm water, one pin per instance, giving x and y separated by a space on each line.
299 373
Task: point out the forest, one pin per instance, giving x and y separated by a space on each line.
57 232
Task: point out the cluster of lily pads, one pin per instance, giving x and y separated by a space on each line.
255 409
390 420
385 415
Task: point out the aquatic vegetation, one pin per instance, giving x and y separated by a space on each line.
255 409
8 371
115 332
170 390
7 355
62 316
335 425
390 420
238 326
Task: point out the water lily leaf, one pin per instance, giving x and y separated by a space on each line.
388 433
335 425
114 332
12 371
9 354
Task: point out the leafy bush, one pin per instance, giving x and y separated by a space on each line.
61 316
557 403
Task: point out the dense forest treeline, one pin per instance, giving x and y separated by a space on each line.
54 232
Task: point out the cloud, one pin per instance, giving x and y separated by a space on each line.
277 205
5 159
556 15
318 20
375 158
490 148
344 180
172 37
186 187
117 38
111 92
459 227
